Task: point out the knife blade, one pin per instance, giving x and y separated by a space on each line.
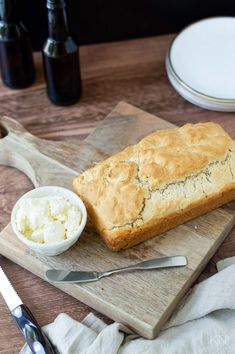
64 276
34 337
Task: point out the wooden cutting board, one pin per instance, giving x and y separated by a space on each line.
143 300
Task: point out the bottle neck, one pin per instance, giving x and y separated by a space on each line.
57 20
8 11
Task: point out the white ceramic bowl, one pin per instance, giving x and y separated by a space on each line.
59 247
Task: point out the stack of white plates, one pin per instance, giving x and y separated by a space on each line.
201 63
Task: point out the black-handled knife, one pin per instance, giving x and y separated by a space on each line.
34 337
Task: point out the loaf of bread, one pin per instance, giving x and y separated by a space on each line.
169 177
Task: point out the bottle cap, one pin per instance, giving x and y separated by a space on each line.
53 4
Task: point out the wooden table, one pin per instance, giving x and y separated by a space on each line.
133 71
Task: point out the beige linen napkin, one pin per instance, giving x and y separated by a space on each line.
203 323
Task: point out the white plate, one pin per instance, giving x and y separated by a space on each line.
200 63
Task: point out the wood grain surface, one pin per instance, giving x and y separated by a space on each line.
133 71
56 163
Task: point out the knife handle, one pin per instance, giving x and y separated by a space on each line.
34 337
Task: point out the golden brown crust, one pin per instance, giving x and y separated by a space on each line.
167 178
116 242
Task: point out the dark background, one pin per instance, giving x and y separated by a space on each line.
93 21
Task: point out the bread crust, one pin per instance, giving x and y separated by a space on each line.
169 177
116 242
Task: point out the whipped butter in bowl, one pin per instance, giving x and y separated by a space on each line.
49 220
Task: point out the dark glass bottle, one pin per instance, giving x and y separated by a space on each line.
16 59
60 58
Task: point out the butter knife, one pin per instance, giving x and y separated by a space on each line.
64 276
34 337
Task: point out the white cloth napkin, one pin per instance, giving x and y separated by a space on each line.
203 323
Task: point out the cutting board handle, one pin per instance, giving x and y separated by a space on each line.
43 161
24 151
10 126
15 147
